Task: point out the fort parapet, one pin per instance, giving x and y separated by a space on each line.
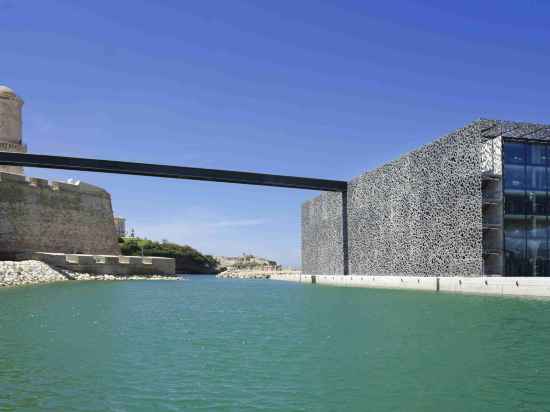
37 215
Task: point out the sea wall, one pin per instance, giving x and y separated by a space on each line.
101 264
536 287
420 215
41 216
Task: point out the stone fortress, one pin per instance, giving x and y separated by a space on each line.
11 139
73 222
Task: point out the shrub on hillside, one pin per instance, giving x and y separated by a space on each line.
137 247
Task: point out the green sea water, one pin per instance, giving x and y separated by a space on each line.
208 344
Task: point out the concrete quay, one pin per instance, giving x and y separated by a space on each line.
105 264
494 285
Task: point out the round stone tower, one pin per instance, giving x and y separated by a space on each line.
10 127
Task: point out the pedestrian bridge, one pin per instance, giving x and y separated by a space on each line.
190 173
166 171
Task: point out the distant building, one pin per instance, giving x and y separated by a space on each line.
246 262
120 225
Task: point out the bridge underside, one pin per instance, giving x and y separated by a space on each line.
166 171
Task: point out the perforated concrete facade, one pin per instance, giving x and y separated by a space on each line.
322 235
420 215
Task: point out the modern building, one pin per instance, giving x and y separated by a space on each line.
526 209
475 202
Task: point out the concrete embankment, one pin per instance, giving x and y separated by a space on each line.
500 286
101 264
34 272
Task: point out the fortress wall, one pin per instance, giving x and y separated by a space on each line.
420 215
41 216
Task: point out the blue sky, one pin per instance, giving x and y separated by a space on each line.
309 88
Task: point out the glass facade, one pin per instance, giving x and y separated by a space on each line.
526 187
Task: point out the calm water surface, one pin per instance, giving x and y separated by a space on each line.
228 345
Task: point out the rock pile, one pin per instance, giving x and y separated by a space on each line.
87 276
27 272
32 272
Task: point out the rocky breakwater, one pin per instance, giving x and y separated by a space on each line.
27 272
34 272
255 274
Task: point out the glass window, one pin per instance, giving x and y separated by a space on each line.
545 265
536 154
536 227
514 203
535 203
514 177
535 257
514 256
514 153
535 177
514 227
547 209
526 187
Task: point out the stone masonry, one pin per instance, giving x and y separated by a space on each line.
11 126
37 216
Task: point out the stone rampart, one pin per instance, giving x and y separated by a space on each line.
41 216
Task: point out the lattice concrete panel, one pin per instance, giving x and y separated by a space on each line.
322 240
420 215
